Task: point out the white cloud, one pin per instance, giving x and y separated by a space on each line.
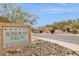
59 10
64 4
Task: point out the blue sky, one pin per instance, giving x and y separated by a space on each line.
48 13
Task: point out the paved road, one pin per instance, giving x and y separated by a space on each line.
65 38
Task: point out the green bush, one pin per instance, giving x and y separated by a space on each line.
52 31
4 19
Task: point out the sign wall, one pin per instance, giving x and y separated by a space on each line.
13 36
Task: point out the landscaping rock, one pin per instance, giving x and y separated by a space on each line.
42 48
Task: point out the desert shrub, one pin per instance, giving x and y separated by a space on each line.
41 31
74 31
68 30
52 31
63 30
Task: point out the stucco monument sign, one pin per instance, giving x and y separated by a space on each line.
13 35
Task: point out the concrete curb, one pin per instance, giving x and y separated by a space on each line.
71 46
61 34
69 34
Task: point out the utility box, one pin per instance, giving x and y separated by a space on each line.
14 35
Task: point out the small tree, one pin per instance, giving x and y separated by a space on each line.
15 14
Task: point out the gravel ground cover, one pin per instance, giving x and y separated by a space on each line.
41 48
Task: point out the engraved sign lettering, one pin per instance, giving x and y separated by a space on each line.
13 36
